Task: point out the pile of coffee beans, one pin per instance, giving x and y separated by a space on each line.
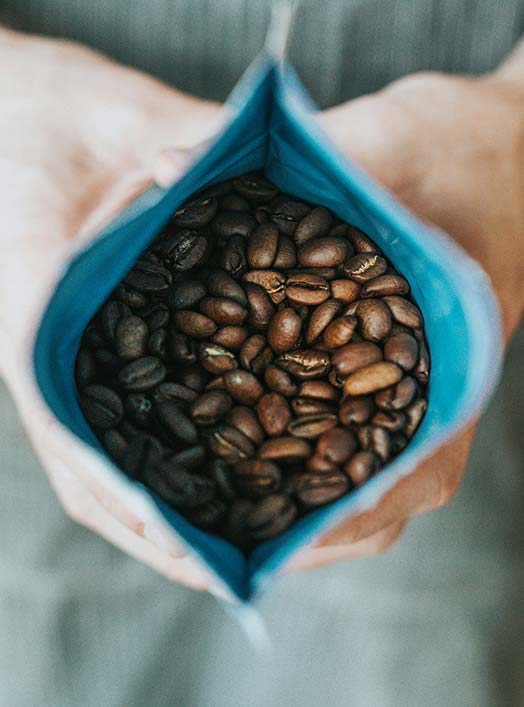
260 360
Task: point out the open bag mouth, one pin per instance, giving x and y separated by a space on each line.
272 130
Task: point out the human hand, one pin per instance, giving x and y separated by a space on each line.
79 137
452 150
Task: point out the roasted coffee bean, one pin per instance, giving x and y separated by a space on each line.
130 336
243 386
314 490
376 440
404 312
263 214
107 362
355 410
270 516
360 242
177 422
222 310
414 413
365 266
194 324
311 426
391 421
316 465
256 478
233 256
271 281
182 348
320 318
158 344
307 289
132 298
255 355
339 332
374 319
286 256
178 487
234 223
115 444
220 284
190 458
281 382
398 442
85 367
184 250
173 391
234 202
139 408
314 225
361 466
245 420
142 374
402 349
284 330
320 390
385 285
209 515
231 337
398 396
371 378
196 213
186 294
93 337
101 406
345 290
304 363
262 246
210 407
112 313
288 214
255 188
260 307
310 406
148 277
337 445
142 451
230 444
216 383
216 359
325 273
352 357
222 475
156 316
323 252
193 377
421 370
274 413
285 448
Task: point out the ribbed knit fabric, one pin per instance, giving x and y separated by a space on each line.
437 621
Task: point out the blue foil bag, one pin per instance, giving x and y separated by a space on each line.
273 129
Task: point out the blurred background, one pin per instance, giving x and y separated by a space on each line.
438 619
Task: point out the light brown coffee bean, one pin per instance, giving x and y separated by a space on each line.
210 407
398 396
284 330
401 349
320 390
222 310
260 307
339 332
274 414
307 289
271 281
255 354
281 382
404 312
320 318
385 285
216 359
314 490
262 246
374 319
304 363
365 266
345 290
243 386
414 413
355 410
285 448
337 445
421 370
245 420
360 242
314 225
372 378
361 466
194 324
391 421
256 478
323 252
231 337
376 440
311 426
354 356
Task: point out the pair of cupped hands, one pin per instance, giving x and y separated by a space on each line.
80 136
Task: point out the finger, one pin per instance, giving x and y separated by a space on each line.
374 545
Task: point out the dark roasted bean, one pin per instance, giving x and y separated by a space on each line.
209 515
231 337
115 443
355 410
385 285
112 313
210 407
310 406
182 348
391 421
314 225
243 386
260 307
314 490
148 277
262 246
360 242
222 310
234 202
404 312
311 426
361 466
194 377
139 408
323 252
108 362
402 349
255 355
255 188
221 284
178 487
190 458
398 396
374 319
158 344
173 391
256 478
234 223
284 330
142 451
320 318
186 294
354 356
131 337
337 445
194 324
184 250
421 370
307 289
288 214
216 359
304 363
376 440
101 406
414 413
271 281
278 380
317 465
142 374
274 413
196 213
85 367
233 256
245 420
177 422
270 516
132 298
230 444
286 256
222 475
156 315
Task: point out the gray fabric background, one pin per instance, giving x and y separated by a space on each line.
436 621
